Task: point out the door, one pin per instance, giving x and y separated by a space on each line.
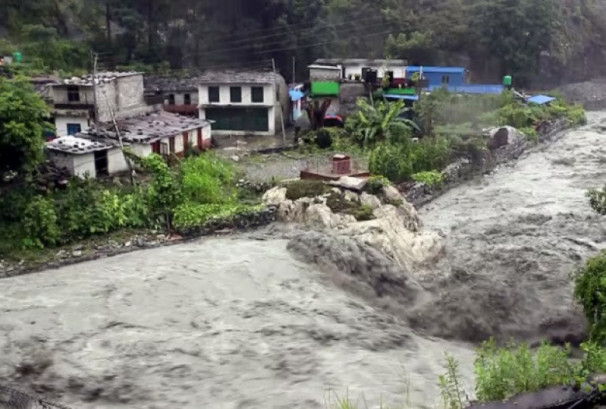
171 144
185 141
101 167
156 147
200 144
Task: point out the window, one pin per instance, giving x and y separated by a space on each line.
164 149
256 94
445 79
187 99
171 99
73 129
73 94
235 94
213 94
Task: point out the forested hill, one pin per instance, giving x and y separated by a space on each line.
563 40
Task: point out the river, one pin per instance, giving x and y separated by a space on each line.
241 323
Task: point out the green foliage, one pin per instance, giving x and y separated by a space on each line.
531 133
23 116
208 179
450 387
597 200
40 223
375 184
45 49
430 178
577 115
188 215
590 292
380 122
399 161
165 192
504 372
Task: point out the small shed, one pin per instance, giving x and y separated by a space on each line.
86 158
437 76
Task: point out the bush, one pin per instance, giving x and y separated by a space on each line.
504 372
590 292
430 178
208 179
188 215
305 188
597 200
391 161
577 115
40 223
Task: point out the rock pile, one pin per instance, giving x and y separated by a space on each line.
393 228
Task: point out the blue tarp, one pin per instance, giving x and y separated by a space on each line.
541 99
440 70
295 95
472 88
399 96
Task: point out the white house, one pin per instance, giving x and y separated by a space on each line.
351 67
160 132
243 102
84 157
76 100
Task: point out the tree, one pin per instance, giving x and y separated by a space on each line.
23 116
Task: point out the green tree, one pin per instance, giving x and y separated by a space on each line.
23 116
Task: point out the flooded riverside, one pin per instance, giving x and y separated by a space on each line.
245 322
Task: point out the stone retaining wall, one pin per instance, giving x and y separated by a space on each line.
465 169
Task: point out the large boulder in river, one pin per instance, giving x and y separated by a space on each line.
503 136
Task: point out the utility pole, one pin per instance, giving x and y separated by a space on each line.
294 71
273 64
96 110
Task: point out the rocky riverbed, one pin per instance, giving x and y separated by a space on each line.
287 316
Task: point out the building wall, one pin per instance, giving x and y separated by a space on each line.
84 165
62 160
353 69
106 100
130 92
116 162
59 95
269 97
141 149
324 74
62 121
180 97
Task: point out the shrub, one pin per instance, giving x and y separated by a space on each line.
40 223
597 200
577 115
391 161
590 291
531 133
208 179
504 372
188 215
430 178
305 188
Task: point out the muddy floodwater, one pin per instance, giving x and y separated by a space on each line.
245 323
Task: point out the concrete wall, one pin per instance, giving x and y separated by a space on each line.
180 97
115 161
84 165
130 92
59 95
353 69
106 99
62 121
324 74
141 149
62 160
269 98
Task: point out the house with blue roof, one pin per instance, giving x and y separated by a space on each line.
439 76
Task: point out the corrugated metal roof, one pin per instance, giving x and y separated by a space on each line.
472 89
240 77
360 61
402 96
541 99
440 70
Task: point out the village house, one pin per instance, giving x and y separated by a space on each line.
243 103
76 101
335 69
159 132
86 158
178 95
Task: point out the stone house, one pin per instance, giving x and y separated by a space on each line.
243 102
84 157
159 132
178 95
76 101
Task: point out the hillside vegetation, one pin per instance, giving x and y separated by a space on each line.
564 40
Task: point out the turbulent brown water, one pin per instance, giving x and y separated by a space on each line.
261 322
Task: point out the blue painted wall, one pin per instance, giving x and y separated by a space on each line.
437 76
